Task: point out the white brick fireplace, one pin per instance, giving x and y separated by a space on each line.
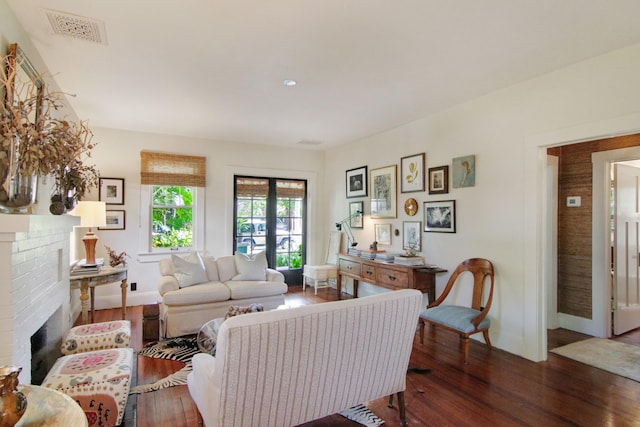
34 283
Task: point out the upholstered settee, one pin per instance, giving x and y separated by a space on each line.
195 289
290 366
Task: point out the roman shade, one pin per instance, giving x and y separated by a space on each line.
172 169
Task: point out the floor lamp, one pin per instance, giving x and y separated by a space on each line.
92 214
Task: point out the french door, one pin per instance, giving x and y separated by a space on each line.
269 216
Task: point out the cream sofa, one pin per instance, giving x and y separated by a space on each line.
195 289
287 367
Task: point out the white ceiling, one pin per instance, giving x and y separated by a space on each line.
215 68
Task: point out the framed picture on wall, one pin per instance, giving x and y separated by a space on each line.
383 192
355 219
111 191
439 180
383 234
115 220
440 216
356 182
412 173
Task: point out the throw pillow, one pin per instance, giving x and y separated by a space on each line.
235 310
251 267
188 270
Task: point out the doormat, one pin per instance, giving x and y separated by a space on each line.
613 356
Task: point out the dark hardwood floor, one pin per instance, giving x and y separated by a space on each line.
495 388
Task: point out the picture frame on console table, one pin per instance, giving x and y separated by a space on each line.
115 220
356 181
111 191
412 235
440 217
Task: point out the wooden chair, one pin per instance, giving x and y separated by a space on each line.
465 321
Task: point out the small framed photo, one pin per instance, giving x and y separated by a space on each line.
355 218
412 236
112 191
383 234
115 220
383 192
357 182
439 180
440 216
412 172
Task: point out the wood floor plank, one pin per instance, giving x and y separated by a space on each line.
495 388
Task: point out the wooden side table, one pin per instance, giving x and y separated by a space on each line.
47 408
88 282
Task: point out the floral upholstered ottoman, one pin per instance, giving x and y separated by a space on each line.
97 336
98 380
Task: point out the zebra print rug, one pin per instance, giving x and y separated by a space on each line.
182 349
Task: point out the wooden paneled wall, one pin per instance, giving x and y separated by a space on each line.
575 176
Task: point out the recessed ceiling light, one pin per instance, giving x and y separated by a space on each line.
290 82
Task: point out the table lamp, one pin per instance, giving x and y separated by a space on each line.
92 214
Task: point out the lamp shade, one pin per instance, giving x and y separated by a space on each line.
92 214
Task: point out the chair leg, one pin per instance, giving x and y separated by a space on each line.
315 285
465 347
401 409
390 403
487 340
304 282
422 322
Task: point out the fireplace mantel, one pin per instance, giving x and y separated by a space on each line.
34 282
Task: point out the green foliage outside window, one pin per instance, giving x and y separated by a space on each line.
172 216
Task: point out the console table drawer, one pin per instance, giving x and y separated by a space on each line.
350 267
392 278
368 273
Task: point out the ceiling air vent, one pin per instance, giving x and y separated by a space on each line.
310 142
78 27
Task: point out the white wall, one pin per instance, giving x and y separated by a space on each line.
501 217
117 156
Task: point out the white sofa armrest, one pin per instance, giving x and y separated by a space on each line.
167 284
274 275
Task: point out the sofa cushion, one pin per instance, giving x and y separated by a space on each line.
188 270
211 267
253 289
251 267
226 267
198 294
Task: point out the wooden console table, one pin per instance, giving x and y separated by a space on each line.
105 276
387 275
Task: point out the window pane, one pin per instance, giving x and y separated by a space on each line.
172 217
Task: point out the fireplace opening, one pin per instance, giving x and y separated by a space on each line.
45 347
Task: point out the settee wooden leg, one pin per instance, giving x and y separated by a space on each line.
421 331
401 409
390 403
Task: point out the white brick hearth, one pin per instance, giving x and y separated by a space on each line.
34 282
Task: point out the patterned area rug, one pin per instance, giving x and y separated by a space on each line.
613 356
182 349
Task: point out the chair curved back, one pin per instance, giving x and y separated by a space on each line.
480 268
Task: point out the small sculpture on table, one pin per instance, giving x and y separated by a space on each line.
115 259
374 246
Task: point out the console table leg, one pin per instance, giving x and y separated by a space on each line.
84 296
123 286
